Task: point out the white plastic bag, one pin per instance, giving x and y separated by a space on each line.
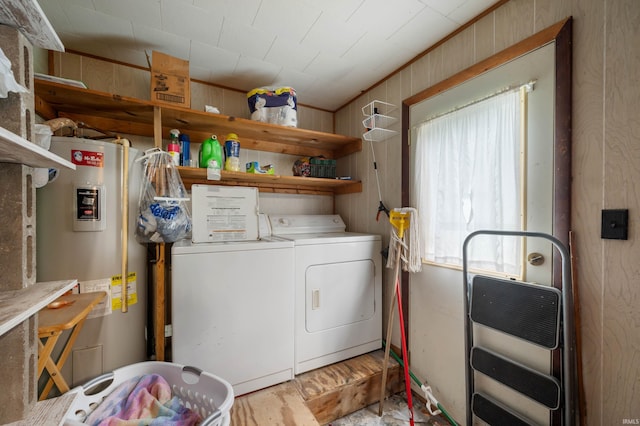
8 82
163 213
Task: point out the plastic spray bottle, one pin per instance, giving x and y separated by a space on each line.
173 148
211 157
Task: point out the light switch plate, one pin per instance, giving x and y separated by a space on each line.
615 224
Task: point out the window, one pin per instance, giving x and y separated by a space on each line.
468 176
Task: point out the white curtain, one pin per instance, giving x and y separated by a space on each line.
467 177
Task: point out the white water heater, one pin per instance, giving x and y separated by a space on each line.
79 227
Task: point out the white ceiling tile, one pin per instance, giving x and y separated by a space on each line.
203 25
331 35
241 11
341 9
425 27
295 79
246 40
73 3
323 92
84 21
470 9
327 50
167 43
366 49
285 18
199 73
211 57
257 73
383 16
55 13
143 12
444 7
329 66
290 54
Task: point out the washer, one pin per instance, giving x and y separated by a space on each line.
232 310
338 289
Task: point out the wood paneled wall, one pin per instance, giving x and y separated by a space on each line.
606 172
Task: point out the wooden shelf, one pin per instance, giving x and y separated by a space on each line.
272 183
121 114
134 116
15 149
17 306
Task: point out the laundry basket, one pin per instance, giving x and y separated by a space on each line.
208 395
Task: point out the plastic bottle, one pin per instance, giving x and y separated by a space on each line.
173 148
232 153
174 134
211 157
185 150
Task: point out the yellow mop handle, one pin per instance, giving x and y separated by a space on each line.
400 221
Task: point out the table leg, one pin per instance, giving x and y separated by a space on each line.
55 377
44 351
54 369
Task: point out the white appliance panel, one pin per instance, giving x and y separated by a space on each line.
232 311
332 289
306 224
330 238
224 213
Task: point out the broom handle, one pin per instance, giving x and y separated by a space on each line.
576 313
387 346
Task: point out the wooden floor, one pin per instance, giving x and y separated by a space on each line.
319 396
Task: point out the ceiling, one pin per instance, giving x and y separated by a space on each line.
329 51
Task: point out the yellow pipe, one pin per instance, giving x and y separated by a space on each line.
125 221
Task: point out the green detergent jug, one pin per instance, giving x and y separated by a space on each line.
210 150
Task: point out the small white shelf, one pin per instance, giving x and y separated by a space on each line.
16 149
17 306
378 135
378 107
376 121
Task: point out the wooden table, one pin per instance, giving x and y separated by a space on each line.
71 314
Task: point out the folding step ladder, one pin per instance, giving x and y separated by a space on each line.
533 313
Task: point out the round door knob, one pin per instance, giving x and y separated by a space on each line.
535 259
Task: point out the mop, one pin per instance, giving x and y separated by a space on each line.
401 249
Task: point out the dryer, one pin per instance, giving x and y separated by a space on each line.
338 289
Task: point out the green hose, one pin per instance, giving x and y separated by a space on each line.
415 379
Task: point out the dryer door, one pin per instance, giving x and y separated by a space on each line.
339 294
338 313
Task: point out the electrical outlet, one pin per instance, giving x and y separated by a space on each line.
615 224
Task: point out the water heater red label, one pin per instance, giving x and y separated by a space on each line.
87 158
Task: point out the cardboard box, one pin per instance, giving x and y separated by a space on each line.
170 84
224 213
